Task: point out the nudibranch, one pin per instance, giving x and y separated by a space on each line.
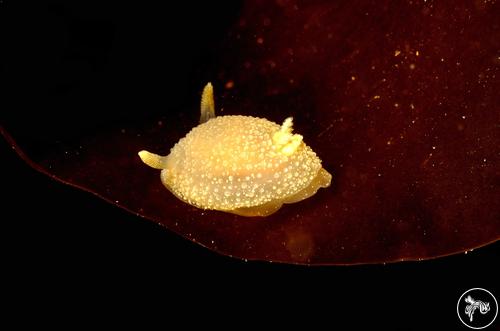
239 164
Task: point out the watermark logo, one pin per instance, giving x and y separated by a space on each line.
477 308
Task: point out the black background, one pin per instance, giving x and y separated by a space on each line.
67 246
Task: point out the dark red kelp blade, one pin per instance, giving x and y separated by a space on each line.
400 102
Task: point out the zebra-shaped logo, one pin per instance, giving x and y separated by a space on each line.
484 307
477 308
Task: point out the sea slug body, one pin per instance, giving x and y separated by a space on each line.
239 164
